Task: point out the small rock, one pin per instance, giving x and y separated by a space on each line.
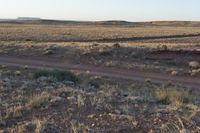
50 87
150 131
117 112
26 67
69 83
126 94
18 73
72 99
148 80
48 52
133 98
56 100
91 116
174 73
42 79
134 55
3 66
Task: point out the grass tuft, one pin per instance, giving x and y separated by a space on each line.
39 101
172 96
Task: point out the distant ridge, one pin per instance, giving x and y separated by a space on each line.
28 18
35 20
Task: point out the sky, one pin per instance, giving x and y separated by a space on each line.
96 10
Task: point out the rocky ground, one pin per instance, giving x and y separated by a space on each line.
59 102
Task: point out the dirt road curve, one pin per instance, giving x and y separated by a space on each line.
107 72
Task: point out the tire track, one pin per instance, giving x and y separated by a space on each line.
101 71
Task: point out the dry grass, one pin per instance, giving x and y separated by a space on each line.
35 126
14 112
57 75
172 96
80 101
122 106
39 101
113 106
28 32
77 127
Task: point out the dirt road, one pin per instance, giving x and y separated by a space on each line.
100 71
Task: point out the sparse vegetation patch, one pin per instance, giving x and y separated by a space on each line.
57 74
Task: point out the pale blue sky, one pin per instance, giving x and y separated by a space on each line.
130 10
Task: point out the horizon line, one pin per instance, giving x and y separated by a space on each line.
103 20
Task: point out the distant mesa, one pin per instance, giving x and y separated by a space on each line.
28 18
37 20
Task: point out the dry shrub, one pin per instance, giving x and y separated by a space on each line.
35 126
39 101
14 112
58 75
195 72
172 96
194 65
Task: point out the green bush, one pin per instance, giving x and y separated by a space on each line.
58 75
